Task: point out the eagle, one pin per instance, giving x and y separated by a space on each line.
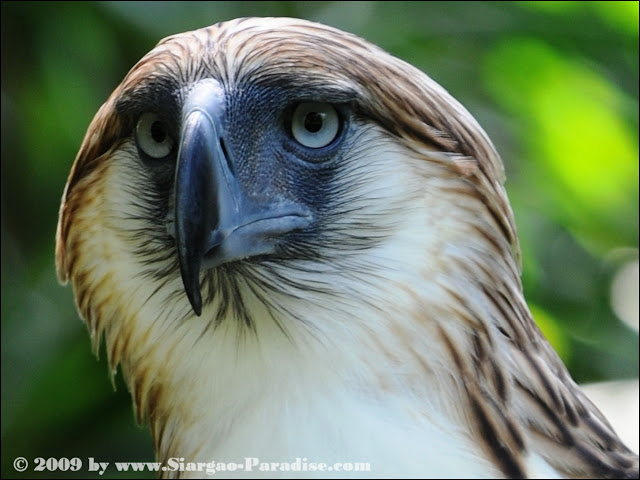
298 246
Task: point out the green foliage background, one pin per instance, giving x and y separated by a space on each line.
555 85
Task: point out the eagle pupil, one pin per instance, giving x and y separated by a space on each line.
158 132
313 122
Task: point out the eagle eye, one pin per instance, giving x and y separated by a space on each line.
315 125
152 136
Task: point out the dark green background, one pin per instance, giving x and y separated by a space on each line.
554 84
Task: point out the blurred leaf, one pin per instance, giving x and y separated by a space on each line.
587 153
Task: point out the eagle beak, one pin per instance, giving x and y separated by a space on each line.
216 221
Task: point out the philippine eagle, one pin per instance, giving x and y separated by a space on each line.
296 245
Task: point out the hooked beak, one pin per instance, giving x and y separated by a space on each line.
216 221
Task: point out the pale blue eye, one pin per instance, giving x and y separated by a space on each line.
315 125
152 136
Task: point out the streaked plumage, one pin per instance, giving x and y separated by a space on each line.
382 321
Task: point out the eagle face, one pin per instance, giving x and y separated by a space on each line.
297 245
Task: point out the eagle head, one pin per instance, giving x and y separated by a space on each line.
297 245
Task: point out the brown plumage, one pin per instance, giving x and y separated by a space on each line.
390 305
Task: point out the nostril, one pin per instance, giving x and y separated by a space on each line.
227 157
